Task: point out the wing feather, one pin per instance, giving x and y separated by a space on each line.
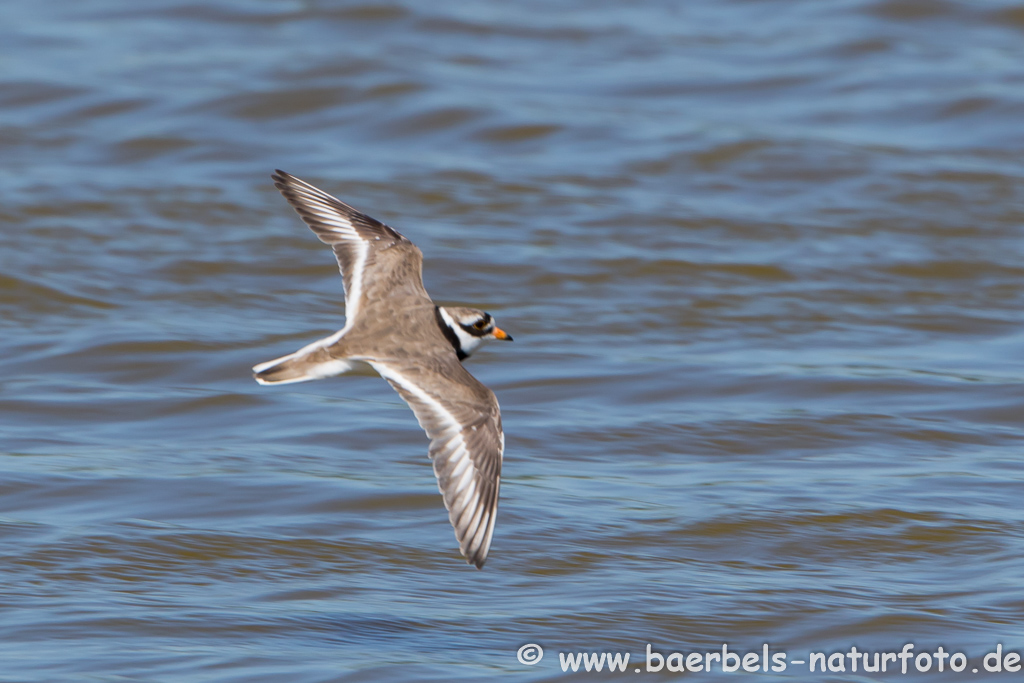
354 236
466 446
382 273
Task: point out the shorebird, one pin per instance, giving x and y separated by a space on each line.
392 325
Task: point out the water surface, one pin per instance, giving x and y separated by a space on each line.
762 261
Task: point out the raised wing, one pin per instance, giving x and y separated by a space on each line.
462 419
355 237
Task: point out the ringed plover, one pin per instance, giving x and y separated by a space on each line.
418 347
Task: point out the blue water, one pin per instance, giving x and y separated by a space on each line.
762 262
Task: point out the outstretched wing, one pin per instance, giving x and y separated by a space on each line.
462 419
357 239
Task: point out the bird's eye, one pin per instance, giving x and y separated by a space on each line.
480 324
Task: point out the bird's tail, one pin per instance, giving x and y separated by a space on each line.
311 362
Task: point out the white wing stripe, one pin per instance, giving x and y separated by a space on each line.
321 206
474 510
352 298
340 225
482 531
474 523
389 373
486 542
464 493
473 528
465 482
459 468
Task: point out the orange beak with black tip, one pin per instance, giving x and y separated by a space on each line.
499 333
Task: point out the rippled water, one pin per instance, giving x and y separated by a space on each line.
762 261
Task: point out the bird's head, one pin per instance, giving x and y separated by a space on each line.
468 328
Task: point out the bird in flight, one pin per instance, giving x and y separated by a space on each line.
392 325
